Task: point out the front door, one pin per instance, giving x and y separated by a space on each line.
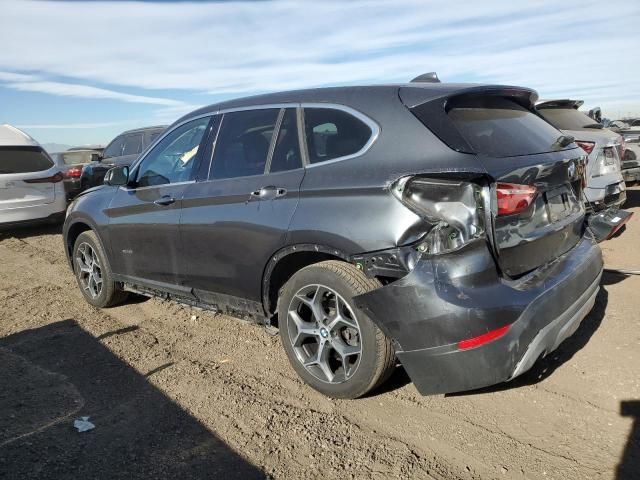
238 217
144 216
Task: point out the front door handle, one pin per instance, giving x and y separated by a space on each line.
268 193
165 200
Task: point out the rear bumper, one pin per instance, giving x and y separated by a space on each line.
34 213
631 174
613 195
446 300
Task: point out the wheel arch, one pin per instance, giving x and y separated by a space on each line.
286 262
73 231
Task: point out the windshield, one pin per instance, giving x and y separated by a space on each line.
566 118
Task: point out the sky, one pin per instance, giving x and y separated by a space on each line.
80 72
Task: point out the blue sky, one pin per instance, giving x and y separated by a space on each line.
81 72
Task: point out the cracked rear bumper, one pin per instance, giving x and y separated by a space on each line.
458 296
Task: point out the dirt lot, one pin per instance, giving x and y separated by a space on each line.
180 393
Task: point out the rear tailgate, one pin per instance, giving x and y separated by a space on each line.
27 177
518 150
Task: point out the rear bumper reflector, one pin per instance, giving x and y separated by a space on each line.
482 339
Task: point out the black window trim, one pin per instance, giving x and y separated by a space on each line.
372 124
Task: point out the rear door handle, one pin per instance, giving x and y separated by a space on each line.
268 193
165 200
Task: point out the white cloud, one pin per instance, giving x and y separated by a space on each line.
568 49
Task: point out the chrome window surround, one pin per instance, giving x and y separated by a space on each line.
375 128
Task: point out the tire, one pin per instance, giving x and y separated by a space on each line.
328 347
90 264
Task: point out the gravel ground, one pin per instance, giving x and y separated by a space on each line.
180 393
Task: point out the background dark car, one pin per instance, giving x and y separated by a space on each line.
71 163
438 224
122 150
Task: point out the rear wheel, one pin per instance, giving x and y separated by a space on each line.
93 273
334 347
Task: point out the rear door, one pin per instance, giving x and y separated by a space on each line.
238 215
529 161
28 177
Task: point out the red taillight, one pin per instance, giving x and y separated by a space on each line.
73 172
513 198
52 179
586 146
482 339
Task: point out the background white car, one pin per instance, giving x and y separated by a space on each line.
31 184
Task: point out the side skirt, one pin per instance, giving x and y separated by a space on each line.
216 302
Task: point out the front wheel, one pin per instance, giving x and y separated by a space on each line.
93 273
334 347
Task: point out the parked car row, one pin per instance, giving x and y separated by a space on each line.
450 227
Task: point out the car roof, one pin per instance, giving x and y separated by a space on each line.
142 129
414 93
11 136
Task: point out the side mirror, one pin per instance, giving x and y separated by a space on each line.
117 176
96 157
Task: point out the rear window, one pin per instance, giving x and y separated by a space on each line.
75 158
499 127
23 160
566 118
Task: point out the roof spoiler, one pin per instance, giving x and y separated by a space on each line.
564 103
431 77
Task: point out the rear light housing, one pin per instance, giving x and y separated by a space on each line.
453 209
606 162
586 146
73 172
52 179
512 198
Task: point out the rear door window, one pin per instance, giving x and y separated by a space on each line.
23 160
331 133
242 146
499 127
114 149
286 153
132 144
566 118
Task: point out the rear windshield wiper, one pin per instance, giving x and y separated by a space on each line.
562 141
594 125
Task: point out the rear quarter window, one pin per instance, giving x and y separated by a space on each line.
23 160
499 127
331 133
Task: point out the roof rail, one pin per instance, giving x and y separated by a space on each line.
431 77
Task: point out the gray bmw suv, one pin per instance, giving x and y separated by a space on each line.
438 225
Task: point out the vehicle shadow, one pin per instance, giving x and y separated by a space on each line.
544 367
55 374
630 462
31 231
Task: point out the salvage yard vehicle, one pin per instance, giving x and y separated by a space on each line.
71 163
31 184
122 150
605 186
440 225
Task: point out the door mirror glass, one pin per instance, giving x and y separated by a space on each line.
117 176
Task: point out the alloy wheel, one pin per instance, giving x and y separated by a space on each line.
324 333
89 269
